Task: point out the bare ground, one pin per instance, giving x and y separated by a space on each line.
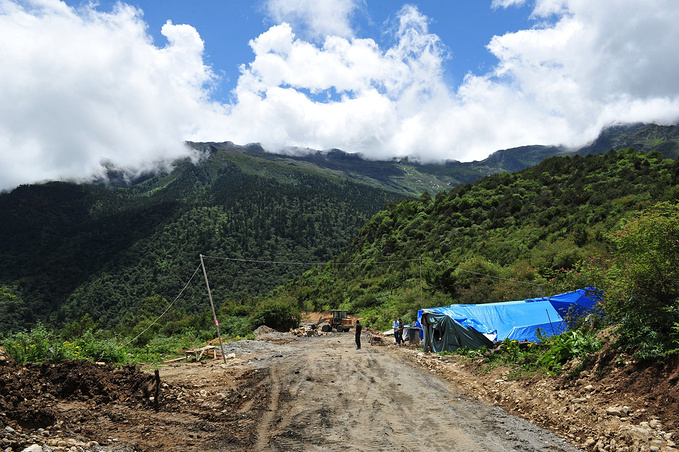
320 393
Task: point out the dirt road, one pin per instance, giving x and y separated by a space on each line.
295 394
319 393
326 395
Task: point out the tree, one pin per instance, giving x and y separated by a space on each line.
643 293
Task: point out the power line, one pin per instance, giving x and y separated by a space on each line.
497 277
397 261
166 309
258 261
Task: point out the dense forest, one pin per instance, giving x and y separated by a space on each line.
70 249
549 229
324 231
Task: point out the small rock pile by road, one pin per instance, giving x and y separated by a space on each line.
312 329
43 440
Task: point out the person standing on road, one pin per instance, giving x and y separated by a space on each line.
400 332
359 327
397 331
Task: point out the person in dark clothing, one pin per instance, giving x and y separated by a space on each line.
359 327
398 331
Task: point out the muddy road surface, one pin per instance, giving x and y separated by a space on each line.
323 394
283 394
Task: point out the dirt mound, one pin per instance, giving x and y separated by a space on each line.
653 386
203 405
28 393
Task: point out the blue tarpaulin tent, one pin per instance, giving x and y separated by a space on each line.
521 320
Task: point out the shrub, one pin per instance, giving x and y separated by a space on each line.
35 346
643 284
277 314
566 346
100 349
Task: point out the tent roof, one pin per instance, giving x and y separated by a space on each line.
520 320
444 333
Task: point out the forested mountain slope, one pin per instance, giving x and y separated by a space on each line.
505 237
68 249
412 178
404 176
112 250
103 249
644 137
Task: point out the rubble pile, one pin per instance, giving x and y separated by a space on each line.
30 419
311 329
51 440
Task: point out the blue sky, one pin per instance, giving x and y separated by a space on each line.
87 85
465 27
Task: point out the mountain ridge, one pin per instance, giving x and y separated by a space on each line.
68 248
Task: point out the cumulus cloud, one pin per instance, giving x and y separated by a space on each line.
599 63
315 18
79 87
346 93
584 65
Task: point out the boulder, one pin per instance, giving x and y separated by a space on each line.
5 359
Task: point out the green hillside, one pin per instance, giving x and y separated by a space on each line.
101 249
532 233
121 252
644 137
68 249
409 178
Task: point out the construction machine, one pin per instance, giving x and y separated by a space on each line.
340 322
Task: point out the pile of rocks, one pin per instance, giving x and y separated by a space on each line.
311 329
5 359
42 440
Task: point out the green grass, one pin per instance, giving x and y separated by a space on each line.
528 359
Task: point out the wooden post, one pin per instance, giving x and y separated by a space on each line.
214 314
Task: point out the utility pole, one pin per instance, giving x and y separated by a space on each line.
214 314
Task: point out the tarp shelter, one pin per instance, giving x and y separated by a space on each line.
521 320
442 333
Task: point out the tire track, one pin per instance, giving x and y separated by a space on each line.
325 395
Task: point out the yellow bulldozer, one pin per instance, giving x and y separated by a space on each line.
340 322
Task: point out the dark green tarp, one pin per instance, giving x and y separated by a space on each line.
442 333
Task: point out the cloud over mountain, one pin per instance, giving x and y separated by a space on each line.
79 87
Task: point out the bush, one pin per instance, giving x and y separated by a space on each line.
277 314
40 345
566 346
547 356
643 284
99 349
35 346
232 325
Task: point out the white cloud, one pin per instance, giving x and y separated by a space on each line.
506 3
79 87
600 63
584 66
372 92
317 19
